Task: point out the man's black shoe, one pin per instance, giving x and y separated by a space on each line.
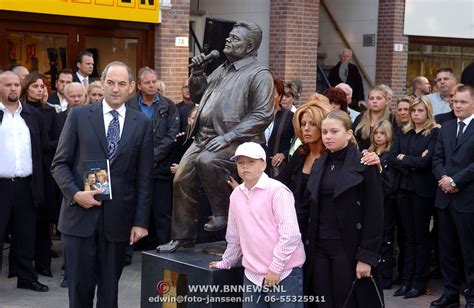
401 291
414 293
446 301
175 244
32 285
216 223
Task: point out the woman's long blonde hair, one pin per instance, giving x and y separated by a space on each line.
430 122
364 125
317 107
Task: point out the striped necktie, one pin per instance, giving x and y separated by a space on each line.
113 135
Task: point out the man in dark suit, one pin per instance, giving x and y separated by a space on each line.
57 98
96 234
347 72
85 67
23 140
453 166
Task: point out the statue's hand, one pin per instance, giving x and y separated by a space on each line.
216 144
199 62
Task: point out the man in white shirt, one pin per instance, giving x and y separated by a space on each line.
23 139
440 100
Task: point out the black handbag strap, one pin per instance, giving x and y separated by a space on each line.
376 290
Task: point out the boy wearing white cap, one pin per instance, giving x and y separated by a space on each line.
263 229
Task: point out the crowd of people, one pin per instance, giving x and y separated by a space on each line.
373 188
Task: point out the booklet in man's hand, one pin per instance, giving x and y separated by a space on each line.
97 176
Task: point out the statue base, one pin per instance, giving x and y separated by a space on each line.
215 249
183 279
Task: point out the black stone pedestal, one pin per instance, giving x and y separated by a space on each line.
184 276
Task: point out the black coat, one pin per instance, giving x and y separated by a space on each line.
49 209
353 79
358 204
413 165
39 146
165 124
286 134
456 161
292 177
443 117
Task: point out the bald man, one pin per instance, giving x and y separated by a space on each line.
421 86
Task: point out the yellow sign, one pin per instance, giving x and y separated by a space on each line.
128 10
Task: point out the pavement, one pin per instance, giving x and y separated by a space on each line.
129 289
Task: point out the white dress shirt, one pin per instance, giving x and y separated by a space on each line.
81 79
108 117
15 145
62 102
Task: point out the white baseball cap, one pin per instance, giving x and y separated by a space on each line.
250 149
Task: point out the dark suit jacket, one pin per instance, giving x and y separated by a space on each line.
456 161
53 98
443 117
353 79
84 138
39 147
76 79
413 165
286 134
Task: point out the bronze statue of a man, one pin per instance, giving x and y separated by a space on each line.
236 105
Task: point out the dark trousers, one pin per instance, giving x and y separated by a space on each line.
415 214
387 261
42 254
400 242
42 246
332 274
456 248
162 208
93 261
18 209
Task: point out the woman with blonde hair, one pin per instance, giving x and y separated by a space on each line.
378 109
415 188
382 138
307 126
95 93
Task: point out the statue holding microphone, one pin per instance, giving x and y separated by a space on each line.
235 106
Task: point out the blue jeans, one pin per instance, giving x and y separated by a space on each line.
287 294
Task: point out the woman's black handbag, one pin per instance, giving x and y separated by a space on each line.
382 305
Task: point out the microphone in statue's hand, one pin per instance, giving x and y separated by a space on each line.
201 59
